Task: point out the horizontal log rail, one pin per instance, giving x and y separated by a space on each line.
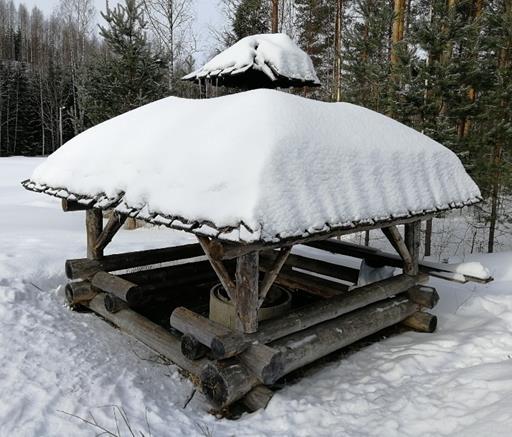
224 382
226 343
380 257
85 268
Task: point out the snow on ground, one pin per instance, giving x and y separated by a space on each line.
456 382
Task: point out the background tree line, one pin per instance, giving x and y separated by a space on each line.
442 67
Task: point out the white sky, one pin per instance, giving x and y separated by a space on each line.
208 14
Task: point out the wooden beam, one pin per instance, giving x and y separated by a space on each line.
71 205
313 265
152 335
246 293
426 297
115 222
224 382
393 235
119 287
384 258
86 268
258 398
272 273
219 268
94 226
225 343
192 348
309 283
222 250
78 292
421 322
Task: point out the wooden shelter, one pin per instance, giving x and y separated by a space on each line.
319 173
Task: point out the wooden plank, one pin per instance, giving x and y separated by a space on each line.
152 335
94 226
219 268
272 273
246 293
115 222
86 268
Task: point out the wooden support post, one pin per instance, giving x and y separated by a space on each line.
412 241
94 226
86 268
272 273
393 235
152 335
219 267
421 322
78 292
113 225
246 293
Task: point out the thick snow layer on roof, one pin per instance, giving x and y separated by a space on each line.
280 164
273 54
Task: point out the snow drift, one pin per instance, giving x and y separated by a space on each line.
258 165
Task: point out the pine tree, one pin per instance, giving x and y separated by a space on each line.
130 75
251 17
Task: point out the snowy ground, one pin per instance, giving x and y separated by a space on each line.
55 362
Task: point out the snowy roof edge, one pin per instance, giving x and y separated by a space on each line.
242 233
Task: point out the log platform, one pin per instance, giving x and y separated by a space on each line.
161 298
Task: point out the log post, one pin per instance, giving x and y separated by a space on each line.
246 292
424 296
393 235
113 304
412 241
192 348
94 226
258 398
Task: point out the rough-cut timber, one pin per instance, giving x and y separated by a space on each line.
152 335
222 341
78 292
71 205
393 235
412 235
309 283
422 322
86 268
376 256
192 348
313 343
258 398
115 285
225 343
113 304
424 296
113 225
94 226
219 267
224 383
246 292
272 273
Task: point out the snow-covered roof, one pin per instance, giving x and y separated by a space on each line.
259 165
271 60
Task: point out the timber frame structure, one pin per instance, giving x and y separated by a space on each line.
163 305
